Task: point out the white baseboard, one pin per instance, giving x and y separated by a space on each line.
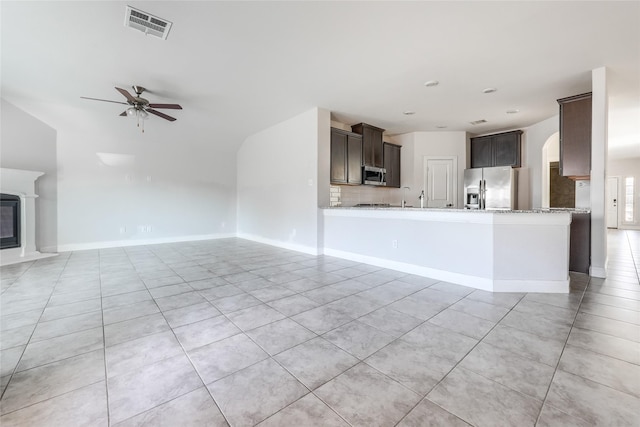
33 256
491 285
285 245
542 286
446 276
125 243
599 272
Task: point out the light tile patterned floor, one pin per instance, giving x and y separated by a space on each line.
231 332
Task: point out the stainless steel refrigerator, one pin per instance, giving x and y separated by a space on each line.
490 188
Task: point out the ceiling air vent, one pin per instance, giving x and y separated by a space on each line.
478 122
148 24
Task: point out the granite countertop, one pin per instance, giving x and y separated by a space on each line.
413 209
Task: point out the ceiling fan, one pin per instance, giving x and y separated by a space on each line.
140 107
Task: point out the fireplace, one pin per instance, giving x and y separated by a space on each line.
9 221
18 216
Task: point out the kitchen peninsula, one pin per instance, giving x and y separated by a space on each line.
498 251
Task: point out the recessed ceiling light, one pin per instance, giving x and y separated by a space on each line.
408 113
489 90
514 111
441 127
431 83
478 122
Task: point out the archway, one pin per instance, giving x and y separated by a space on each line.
550 153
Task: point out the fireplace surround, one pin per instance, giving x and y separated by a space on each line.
18 189
9 221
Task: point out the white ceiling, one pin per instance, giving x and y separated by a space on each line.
239 67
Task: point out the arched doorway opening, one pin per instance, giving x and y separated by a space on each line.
550 154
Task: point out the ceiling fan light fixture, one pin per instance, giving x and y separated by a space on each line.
131 112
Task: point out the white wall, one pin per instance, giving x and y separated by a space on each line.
28 143
534 138
324 170
623 168
278 173
417 145
113 181
433 243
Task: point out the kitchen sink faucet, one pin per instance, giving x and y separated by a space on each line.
404 196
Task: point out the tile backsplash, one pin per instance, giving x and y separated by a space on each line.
351 195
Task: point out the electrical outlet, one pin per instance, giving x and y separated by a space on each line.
123 230
394 244
149 229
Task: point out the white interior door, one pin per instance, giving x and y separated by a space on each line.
441 181
612 202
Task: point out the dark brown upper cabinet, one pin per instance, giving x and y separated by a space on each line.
392 164
372 145
481 152
575 136
346 157
501 149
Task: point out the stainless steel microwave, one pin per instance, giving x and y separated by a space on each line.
372 175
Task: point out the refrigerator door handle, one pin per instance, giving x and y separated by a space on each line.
484 194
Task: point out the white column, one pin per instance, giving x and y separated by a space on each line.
599 146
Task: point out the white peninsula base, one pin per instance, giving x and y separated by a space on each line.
498 251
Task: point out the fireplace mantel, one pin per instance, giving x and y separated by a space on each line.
21 183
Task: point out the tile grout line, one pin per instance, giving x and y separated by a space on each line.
456 365
13 372
633 258
562 353
186 354
192 249
245 333
104 343
546 395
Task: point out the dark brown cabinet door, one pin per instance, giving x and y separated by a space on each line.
481 155
575 135
338 157
392 164
372 144
354 159
501 149
346 157
506 149
377 148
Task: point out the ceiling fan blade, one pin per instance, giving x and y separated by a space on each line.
123 114
169 106
159 114
104 100
127 95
